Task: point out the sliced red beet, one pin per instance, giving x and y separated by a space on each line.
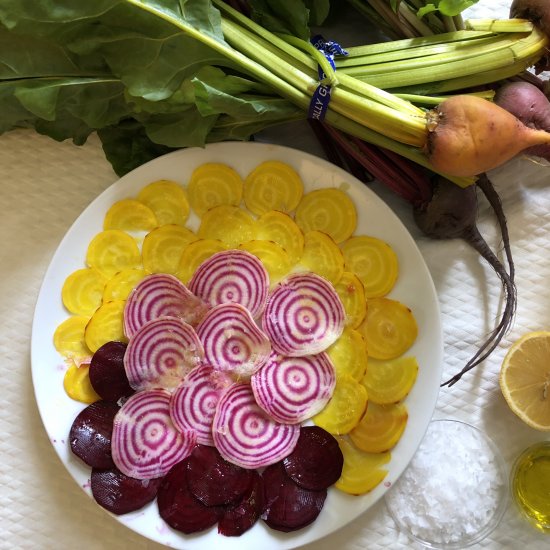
316 462
214 480
287 506
107 374
240 517
179 508
121 494
90 434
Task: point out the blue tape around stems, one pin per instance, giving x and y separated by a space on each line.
321 97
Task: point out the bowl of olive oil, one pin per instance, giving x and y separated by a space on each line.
530 484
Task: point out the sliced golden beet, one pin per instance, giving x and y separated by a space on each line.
374 262
380 428
194 254
349 355
272 185
322 256
389 328
390 381
282 229
362 472
82 291
77 385
214 184
163 247
130 215
345 408
328 210
105 325
122 283
112 251
351 292
272 255
229 224
69 340
168 201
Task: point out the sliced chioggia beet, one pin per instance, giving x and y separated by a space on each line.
179 508
288 507
91 433
232 276
293 389
232 341
245 435
120 494
316 462
161 353
161 295
303 316
107 374
240 517
145 442
193 403
214 480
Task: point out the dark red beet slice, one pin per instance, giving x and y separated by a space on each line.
214 480
240 517
90 434
316 462
179 508
107 373
287 506
121 494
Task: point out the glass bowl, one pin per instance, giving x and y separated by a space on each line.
454 492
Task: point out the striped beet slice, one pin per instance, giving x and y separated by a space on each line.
232 276
232 341
161 295
145 442
194 401
293 389
161 353
303 316
244 434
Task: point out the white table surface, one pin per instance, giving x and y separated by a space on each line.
44 185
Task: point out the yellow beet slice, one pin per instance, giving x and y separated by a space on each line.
163 247
213 184
194 254
105 325
345 408
374 262
122 283
380 428
281 228
349 355
272 255
352 294
112 251
272 185
78 386
130 215
328 210
69 340
82 291
362 472
229 224
389 328
322 256
390 381
168 201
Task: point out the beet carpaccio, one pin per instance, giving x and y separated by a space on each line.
225 367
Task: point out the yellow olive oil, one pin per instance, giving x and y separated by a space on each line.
531 484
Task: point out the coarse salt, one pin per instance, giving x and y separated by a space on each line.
454 490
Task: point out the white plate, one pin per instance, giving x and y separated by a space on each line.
414 288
